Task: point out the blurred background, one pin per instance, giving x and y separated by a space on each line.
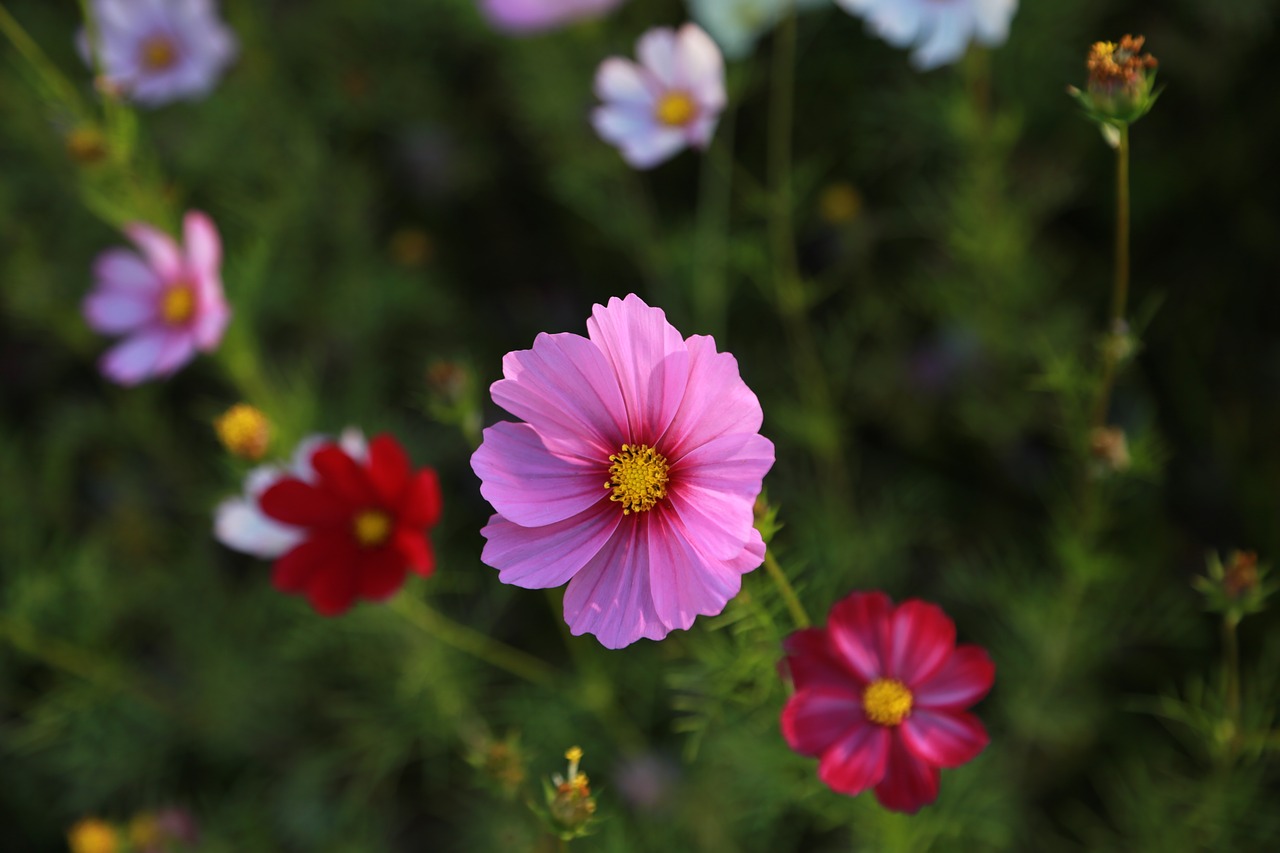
398 186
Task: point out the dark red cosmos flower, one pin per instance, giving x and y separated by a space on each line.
880 698
364 523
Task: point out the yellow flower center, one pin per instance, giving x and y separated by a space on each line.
887 702
159 53
371 527
178 304
675 109
638 477
93 836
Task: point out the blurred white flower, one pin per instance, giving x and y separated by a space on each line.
938 30
736 25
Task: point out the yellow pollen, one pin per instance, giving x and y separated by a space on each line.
887 702
158 53
178 304
675 109
372 527
637 477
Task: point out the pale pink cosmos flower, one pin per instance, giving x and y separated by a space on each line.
167 303
532 16
939 30
632 478
670 100
158 51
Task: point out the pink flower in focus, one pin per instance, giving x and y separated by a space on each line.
632 478
880 698
531 16
166 303
671 100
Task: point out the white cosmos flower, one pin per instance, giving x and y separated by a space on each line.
938 30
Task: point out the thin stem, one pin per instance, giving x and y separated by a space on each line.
1120 288
57 86
1231 662
478 645
798 614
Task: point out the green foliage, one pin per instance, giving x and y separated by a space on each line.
931 377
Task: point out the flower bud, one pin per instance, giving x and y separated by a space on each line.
1109 449
1119 90
570 808
244 431
87 145
91 835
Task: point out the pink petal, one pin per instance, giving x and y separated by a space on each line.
204 248
211 323
685 584
531 486
623 82
651 146
113 312
751 555
548 556
921 638
718 524
699 67
133 360
179 348
856 761
566 389
656 50
908 783
944 738
610 596
160 250
639 343
123 271
859 626
732 464
619 125
816 718
716 401
964 679
811 662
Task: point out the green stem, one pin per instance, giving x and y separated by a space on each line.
1231 661
798 614
478 645
1120 286
57 87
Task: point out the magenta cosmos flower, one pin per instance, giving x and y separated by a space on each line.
880 698
157 51
632 478
167 303
531 16
671 100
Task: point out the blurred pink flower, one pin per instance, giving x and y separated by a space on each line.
157 51
167 303
632 478
530 16
670 100
939 30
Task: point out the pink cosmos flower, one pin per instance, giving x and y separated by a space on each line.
939 30
671 100
167 304
157 51
880 698
531 16
632 478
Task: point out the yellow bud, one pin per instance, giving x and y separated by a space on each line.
244 431
91 835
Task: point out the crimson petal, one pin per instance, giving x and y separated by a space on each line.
909 783
414 549
420 502
811 662
342 476
859 628
857 761
388 469
944 738
921 638
963 679
301 504
381 574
